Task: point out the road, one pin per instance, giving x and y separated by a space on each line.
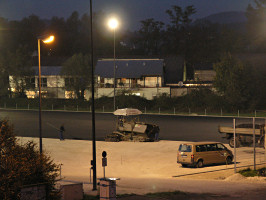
78 125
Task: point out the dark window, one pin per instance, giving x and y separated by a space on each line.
30 82
44 82
211 147
69 82
201 148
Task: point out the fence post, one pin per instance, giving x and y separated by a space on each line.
238 113
90 108
254 143
5 105
159 110
174 111
28 106
16 106
64 107
221 112
77 107
52 106
189 111
255 113
103 108
205 111
145 110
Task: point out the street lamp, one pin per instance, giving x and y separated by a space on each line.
44 39
113 24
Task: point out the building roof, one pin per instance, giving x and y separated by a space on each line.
48 70
129 68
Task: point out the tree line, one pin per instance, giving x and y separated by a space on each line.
197 42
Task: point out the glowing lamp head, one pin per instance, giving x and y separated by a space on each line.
113 23
48 39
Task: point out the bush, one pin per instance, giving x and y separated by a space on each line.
22 165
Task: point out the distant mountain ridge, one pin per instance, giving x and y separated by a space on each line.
227 17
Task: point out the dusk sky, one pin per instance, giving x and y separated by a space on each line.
131 12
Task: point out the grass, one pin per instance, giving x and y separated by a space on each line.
251 173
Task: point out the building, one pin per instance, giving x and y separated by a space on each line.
141 77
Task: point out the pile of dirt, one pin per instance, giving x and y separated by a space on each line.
236 177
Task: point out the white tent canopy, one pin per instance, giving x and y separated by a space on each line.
127 112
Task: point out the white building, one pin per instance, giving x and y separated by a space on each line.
141 77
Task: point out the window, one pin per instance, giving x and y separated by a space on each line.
43 81
220 147
211 147
30 82
201 148
185 148
69 82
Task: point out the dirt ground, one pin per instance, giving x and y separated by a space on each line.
151 168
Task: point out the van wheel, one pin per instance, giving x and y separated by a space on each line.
199 164
184 165
228 160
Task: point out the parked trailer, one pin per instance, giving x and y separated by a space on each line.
244 134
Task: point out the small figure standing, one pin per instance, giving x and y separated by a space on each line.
62 130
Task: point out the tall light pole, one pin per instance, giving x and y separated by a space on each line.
93 108
113 24
44 39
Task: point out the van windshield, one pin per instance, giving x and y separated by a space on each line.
185 148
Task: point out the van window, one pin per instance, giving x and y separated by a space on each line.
201 148
211 147
185 148
220 147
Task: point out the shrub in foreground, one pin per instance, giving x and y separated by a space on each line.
22 165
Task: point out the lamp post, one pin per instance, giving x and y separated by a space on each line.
113 24
93 109
44 39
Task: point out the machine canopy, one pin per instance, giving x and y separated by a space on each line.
127 112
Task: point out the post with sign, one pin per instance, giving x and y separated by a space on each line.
104 162
107 185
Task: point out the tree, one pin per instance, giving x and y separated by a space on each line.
256 25
234 80
149 38
22 165
19 64
77 71
4 73
178 30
